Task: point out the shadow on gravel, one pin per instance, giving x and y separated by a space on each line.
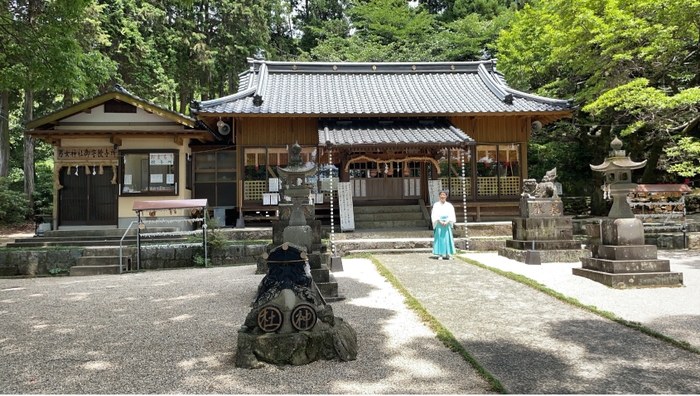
176 331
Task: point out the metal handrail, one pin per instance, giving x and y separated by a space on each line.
120 245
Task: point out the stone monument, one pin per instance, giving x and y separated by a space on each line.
297 224
620 257
290 322
542 234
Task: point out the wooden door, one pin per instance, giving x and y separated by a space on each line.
87 199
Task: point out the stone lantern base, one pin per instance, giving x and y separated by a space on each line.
622 260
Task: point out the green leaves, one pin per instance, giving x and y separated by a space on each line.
633 65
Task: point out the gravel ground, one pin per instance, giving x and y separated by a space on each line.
672 311
175 332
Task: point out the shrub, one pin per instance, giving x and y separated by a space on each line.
43 187
14 205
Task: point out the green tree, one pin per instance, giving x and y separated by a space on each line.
43 51
632 65
384 30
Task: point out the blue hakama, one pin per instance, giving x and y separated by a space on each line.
443 243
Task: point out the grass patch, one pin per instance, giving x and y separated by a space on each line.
441 332
609 315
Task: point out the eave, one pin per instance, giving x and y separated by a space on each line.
544 117
55 136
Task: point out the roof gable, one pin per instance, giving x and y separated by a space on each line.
117 93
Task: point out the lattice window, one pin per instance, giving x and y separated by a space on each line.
510 185
327 195
454 185
444 183
486 186
254 189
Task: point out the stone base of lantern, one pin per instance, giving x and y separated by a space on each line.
622 260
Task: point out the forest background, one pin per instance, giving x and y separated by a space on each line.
632 67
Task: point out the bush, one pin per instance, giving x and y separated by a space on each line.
43 187
14 205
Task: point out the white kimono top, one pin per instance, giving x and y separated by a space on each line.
444 211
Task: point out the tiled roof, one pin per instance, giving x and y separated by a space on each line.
375 89
438 132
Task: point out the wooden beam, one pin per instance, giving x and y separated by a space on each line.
88 110
178 140
115 140
56 142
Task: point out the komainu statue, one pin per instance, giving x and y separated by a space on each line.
543 189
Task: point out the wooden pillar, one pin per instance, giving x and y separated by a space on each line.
343 157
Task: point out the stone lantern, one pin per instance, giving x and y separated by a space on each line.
618 179
620 258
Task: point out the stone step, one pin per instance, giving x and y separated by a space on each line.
43 242
486 245
547 256
320 275
359 210
391 224
94 270
106 232
632 280
544 244
97 260
328 290
406 233
489 229
390 251
108 251
626 266
389 216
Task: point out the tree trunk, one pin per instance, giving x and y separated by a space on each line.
29 148
183 101
649 176
4 133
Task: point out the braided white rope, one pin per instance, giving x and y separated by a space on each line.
464 200
330 169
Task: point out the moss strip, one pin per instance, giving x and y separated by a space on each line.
441 332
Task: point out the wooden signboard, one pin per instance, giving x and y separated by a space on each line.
347 217
434 187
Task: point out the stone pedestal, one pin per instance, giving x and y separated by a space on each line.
542 234
622 260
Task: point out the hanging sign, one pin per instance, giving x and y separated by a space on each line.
86 153
161 159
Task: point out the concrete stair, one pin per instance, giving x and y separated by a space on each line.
481 237
105 237
394 216
103 261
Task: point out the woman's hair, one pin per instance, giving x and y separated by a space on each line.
446 192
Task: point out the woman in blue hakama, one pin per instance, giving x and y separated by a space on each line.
443 218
